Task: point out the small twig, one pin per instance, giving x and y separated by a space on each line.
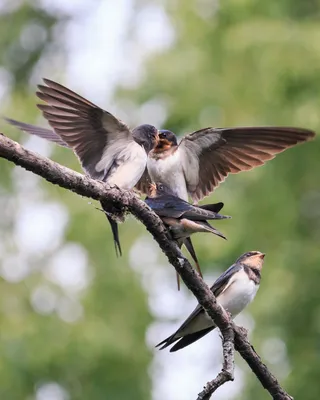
227 372
87 187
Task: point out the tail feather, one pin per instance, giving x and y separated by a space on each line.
188 339
212 229
114 229
43 133
183 341
167 342
178 280
189 246
115 233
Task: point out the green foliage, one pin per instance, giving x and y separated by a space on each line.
232 63
256 63
102 354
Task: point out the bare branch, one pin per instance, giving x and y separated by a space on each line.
266 378
87 187
227 372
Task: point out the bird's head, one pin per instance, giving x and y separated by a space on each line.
159 189
252 259
167 137
146 135
167 140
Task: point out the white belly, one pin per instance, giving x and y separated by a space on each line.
169 172
239 294
128 172
235 298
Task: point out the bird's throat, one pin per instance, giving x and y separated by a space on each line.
164 147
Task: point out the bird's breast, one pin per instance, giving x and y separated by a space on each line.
128 168
168 170
239 292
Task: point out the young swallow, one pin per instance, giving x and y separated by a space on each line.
106 147
234 290
204 158
182 218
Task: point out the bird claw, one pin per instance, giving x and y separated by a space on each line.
110 186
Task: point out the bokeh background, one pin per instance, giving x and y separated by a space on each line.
78 323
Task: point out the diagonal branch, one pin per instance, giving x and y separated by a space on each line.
97 190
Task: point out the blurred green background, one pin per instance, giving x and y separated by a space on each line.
78 323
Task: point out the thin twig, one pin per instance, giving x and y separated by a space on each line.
227 372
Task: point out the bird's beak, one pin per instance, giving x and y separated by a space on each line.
262 255
156 137
152 190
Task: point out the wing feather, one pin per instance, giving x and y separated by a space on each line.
93 134
43 133
218 287
210 154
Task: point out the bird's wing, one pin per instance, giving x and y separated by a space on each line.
210 154
43 133
216 207
167 205
171 206
96 136
202 213
218 287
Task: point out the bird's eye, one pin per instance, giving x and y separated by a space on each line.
163 135
160 187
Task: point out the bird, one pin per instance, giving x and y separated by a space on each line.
203 159
234 290
105 146
182 218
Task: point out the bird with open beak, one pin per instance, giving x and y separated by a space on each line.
203 159
106 147
234 290
182 218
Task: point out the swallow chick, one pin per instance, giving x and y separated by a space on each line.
234 290
203 159
106 147
182 218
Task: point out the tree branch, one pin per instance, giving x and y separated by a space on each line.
97 190
227 372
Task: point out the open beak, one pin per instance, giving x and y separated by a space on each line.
152 190
156 137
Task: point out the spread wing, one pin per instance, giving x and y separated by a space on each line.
97 137
44 133
210 154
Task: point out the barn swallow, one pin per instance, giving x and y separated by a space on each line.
182 218
106 147
234 290
204 158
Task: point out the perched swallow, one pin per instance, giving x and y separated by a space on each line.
182 218
106 147
234 290
204 158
